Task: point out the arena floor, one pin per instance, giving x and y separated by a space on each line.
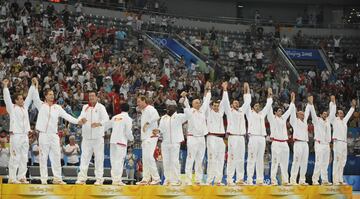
108 191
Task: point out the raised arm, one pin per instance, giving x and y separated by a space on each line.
185 102
247 96
271 116
351 111
225 104
246 107
206 102
293 114
307 113
7 98
29 97
182 117
332 107
268 105
36 97
287 114
314 117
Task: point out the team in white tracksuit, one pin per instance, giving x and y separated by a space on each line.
197 129
49 141
236 131
301 147
19 141
256 145
121 125
92 141
279 147
340 145
172 135
149 123
215 141
322 138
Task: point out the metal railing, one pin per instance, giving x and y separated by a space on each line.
220 19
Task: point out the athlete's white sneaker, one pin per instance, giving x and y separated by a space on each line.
80 182
155 182
98 182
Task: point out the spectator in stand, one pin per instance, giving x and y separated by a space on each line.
257 17
337 41
4 153
285 41
299 21
72 151
78 8
259 59
130 163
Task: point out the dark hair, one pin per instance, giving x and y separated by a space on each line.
16 95
276 108
254 102
232 101
322 110
215 102
142 98
46 92
124 107
92 91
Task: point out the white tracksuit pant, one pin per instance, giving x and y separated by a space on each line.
88 148
117 158
150 171
236 158
19 148
322 158
195 153
340 157
170 153
216 157
280 156
49 146
300 160
256 150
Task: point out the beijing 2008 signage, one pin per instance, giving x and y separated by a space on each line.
303 54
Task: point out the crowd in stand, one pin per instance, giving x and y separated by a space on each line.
72 56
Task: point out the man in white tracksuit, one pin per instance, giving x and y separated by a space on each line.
279 147
257 134
215 139
197 129
322 139
49 141
236 131
121 125
340 130
298 121
19 128
149 138
172 135
94 117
